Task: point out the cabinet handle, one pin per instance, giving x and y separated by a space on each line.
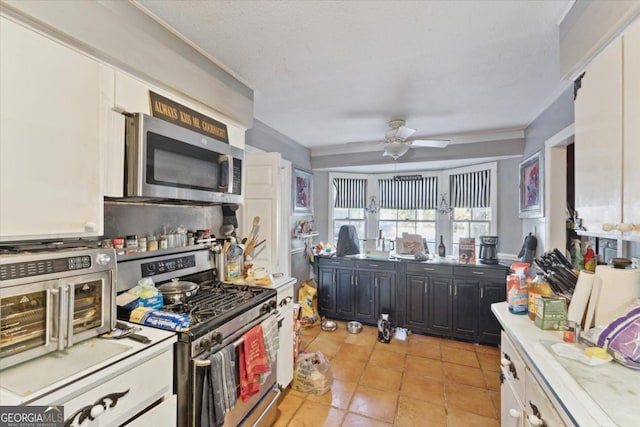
425 287
95 410
481 293
514 413
374 265
533 420
449 289
375 282
455 291
427 268
478 272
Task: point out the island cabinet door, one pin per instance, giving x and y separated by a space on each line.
416 302
327 291
385 295
490 292
363 293
345 286
465 307
440 305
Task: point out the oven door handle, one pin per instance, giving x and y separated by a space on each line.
203 360
62 305
71 311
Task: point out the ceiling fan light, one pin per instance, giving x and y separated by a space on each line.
395 150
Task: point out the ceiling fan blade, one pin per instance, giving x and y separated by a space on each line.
435 143
405 132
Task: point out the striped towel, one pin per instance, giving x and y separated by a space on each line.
271 343
253 362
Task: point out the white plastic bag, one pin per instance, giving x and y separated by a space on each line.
313 374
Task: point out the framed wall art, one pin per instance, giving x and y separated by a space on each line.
302 192
531 202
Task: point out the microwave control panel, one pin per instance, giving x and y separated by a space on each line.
167 265
19 270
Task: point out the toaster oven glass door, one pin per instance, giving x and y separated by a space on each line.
27 317
90 299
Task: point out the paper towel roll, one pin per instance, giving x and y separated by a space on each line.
580 296
618 287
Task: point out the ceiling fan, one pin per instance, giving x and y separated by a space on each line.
397 144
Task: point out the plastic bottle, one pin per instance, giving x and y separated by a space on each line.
538 287
576 256
589 258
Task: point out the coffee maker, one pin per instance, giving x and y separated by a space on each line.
488 250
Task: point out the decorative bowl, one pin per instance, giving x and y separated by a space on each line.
621 262
354 327
328 325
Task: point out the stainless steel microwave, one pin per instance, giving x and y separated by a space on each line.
51 300
168 162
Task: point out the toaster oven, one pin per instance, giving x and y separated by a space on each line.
51 300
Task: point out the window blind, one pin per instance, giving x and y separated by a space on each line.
351 193
421 193
470 190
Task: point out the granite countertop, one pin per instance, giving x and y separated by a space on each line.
604 395
436 260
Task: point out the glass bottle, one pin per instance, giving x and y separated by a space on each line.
442 250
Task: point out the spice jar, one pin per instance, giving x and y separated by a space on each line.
118 242
142 243
132 241
152 243
163 243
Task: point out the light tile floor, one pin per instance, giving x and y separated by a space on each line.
421 381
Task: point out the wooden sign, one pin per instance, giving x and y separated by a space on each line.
185 117
407 177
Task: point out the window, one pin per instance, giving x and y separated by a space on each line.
349 201
408 205
469 222
471 204
343 216
394 222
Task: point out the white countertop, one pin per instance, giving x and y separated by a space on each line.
605 395
47 375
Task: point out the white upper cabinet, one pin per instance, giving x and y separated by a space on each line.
132 96
50 177
631 120
598 141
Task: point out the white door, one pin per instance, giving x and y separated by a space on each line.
265 196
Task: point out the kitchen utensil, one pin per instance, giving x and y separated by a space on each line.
354 327
177 291
328 325
124 331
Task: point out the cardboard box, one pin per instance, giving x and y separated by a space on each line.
551 312
467 252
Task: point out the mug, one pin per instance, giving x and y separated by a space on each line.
259 272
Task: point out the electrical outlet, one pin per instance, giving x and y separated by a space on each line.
635 262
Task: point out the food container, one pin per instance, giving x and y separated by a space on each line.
354 327
329 326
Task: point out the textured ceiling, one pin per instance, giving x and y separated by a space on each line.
334 72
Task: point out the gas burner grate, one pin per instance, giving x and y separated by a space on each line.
215 299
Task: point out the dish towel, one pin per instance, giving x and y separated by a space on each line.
253 362
230 365
212 411
271 343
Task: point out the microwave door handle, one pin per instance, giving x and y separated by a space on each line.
70 314
230 189
226 158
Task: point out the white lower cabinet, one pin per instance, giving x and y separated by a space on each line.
162 414
523 403
538 409
511 408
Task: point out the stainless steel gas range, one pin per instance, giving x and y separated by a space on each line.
221 314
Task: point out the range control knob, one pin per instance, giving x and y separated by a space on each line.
217 337
103 259
269 306
205 344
